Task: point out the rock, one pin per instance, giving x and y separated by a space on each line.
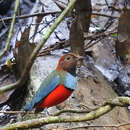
92 93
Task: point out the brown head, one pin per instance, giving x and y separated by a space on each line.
68 63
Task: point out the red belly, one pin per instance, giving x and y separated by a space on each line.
57 96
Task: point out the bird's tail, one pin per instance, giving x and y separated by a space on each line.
28 107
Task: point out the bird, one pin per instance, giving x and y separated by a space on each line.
57 86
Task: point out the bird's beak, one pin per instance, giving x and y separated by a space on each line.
79 57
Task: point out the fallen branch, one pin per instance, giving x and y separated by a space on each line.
35 52
103 109
11 28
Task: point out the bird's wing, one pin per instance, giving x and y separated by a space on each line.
47 86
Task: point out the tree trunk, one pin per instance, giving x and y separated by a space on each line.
80 25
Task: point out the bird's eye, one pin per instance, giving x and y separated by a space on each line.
68 58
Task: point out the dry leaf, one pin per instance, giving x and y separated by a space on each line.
22 51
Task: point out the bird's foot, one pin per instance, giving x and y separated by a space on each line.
47 112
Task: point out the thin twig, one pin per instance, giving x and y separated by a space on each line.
106 3
102 34
110 20
15 112
56 114
92 44
115 9
90 126
105 15
3 32
11 28
60 4
56 46
123 124
29 15
98 38
3 21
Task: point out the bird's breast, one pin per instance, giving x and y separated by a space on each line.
58 95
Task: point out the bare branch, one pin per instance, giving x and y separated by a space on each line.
11 28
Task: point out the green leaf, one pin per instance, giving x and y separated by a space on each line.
114 35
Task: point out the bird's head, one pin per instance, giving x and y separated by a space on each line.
68 63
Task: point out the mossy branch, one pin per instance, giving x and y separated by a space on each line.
35 52
103 109
11 29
